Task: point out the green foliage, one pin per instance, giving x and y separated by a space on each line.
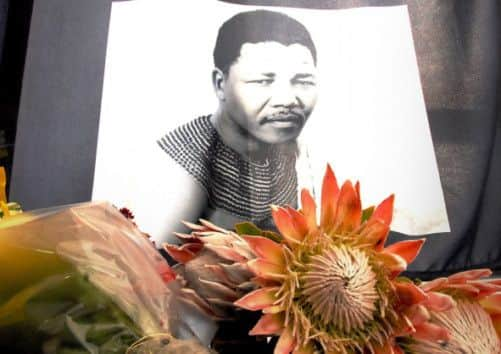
65 313
367 213
248 228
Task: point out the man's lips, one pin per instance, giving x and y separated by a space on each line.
291 117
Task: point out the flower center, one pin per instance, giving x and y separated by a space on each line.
340 287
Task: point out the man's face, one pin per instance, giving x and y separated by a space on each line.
270 91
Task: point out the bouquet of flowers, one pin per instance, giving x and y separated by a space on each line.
83 278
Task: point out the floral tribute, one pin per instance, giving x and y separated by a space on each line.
332 286
91 279
83 278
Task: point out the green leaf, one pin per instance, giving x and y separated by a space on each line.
248 228
367 213
274 236
69 312
13 310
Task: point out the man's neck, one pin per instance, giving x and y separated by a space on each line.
238 138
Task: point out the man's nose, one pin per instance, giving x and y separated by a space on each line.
284 96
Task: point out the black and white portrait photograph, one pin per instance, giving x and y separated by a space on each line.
223 112
250 176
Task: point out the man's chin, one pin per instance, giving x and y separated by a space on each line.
279 140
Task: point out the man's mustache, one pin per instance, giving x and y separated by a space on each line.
294 115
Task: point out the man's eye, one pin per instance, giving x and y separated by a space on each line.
262 81
304 83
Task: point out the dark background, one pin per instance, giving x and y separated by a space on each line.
14 27
61 66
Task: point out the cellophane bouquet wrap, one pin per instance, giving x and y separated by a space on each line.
84 279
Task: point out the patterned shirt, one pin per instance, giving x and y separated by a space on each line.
242 188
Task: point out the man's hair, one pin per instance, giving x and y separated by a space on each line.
255 27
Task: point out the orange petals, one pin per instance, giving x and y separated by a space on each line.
485 288
435 284
226 253
431 332
384 211
408 250
330 191
374 232
349 209
211 226
258 299
299 221
357 189
467 289
268 324
393 262
187 237
273 309
309 209
473 274
409 294
492 304
285 225
286 342
265 269
439 302
265 248
192 226
418 314
181 254
495 281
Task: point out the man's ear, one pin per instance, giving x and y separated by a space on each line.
218 83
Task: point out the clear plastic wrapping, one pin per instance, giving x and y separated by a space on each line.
84 278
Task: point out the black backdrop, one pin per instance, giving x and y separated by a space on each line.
14 28
458 50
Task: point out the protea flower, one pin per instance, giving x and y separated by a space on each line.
212 262
474 323
333 286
